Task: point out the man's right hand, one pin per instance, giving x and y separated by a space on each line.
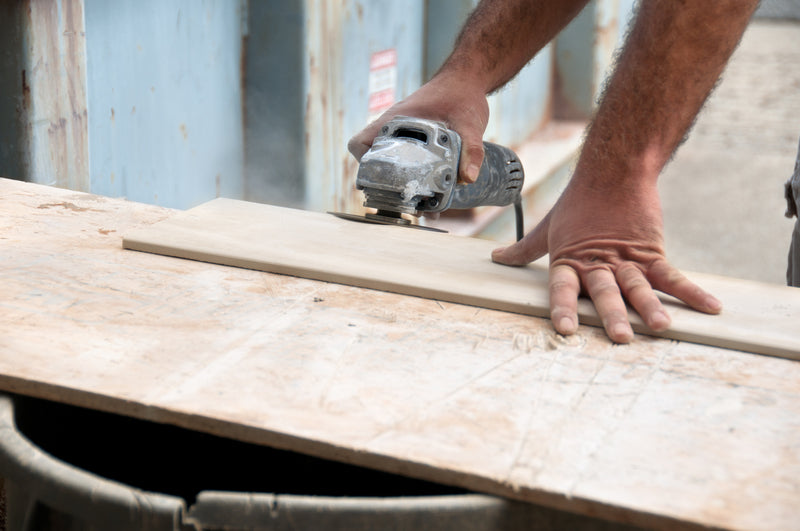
460 104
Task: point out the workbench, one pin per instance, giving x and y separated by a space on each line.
658 433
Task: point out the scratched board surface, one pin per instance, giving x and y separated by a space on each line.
757 317
656 433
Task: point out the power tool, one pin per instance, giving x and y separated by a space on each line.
412 168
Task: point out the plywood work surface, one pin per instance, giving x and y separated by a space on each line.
758 317
660 433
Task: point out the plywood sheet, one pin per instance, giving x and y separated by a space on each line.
663 434
758 317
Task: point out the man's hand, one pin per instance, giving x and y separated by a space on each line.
604 235
457 102
608 246
498 39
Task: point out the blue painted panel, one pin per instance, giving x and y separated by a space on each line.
47 92
13 78
307 83
522 107
575 66
342 37
165 100
275 96
584 54
371 26
445 20
627 9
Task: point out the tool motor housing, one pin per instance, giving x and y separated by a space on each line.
412 167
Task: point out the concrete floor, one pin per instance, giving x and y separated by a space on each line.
722 194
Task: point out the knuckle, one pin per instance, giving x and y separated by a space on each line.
628 269
635 284
605 288
675 277
661 271
632 280
615 316
475 151
560 285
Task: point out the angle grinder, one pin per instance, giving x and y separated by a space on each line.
412 168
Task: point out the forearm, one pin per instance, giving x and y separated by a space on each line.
501 36
604 235
674 55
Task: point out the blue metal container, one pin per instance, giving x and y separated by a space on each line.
134 99
584 54
178 102
163 82
309 69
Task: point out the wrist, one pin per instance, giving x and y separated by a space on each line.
618 153
613 173
465 75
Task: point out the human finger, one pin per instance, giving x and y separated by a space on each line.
532 247
565 287
601 285
362 141
638 291
471 159
664 277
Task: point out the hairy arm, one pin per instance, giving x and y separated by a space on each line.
604 235
674 56
498 39
501 36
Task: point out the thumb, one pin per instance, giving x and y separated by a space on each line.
362 141
471 159
357 147
532 247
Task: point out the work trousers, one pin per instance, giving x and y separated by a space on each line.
793 210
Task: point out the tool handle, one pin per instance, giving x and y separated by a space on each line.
499 181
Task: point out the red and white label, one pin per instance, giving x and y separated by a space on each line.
382 81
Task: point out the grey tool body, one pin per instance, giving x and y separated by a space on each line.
412 168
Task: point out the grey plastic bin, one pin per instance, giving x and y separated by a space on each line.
43 492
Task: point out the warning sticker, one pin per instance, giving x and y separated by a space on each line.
382 81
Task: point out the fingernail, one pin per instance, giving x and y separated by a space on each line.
714 304
566 326
472 172
660 321
621 333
